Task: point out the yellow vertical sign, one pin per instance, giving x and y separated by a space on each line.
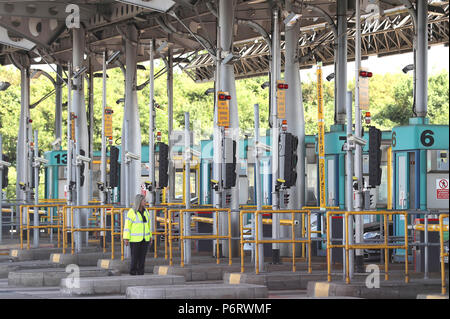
363 92
108 122
281 101
321 136
223 109
72 126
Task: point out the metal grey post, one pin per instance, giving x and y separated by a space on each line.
227 82
275 127
103 147
36 192
295 121
358 151
422 59
81 132
258 194
349 169
341 67
151 139
187 167
23 137
58 105
171 181
131 131
217 141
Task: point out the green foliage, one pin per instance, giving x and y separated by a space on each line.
390 99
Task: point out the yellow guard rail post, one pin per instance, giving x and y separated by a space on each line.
114 212
156 233
443 253
386 246
181 237
86 229
28 227
292 241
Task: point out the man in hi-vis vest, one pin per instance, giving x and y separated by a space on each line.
137 233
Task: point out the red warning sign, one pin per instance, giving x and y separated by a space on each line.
442 188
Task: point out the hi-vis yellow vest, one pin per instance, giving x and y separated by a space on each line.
135 229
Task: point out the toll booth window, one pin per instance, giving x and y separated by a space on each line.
311 184
251 184
382 189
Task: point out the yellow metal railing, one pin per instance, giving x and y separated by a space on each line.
28 227
182 237
292 241
443 253
72 228
157 219
385 245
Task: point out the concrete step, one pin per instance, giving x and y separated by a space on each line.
123 266
115 285
50 276
80 259
198 272
279 280
32 254
6 268
198 291
392 289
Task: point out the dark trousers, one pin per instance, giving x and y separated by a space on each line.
138 252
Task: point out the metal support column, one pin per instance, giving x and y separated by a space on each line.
358 151
103 137
131 131
217 143
349 169
227 84
81 133
36 192
422 59
258 195
22 155
58 107
295 121
187 183
171 195
341 67
151 133
274 77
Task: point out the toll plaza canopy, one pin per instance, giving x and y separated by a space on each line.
188 27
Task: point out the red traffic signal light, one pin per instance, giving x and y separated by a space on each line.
282 86
365 74
224 97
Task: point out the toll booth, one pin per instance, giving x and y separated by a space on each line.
421 170
335 174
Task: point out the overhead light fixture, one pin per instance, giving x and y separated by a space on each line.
121 100
155 5
113 58
330 77
408 68
4 85
141 67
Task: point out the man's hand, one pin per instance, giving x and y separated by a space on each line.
126 241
